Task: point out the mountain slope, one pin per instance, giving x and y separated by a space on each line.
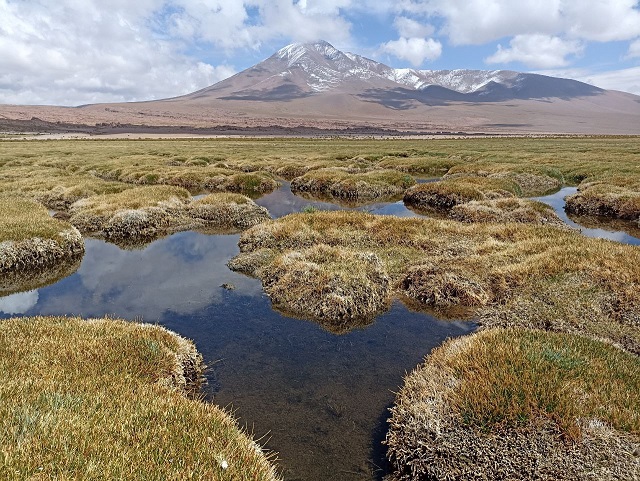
316 85
303 70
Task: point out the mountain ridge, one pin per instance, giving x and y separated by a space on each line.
308 68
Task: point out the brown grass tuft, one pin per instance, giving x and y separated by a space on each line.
340 288
506 210
348 184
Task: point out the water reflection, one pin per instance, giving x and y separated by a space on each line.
18 303
320 399
282 202
613 229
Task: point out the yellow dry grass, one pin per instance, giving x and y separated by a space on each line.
519 404
106 399
445 263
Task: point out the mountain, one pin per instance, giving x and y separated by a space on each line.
315 85
302 70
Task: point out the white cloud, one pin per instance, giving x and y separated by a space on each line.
481 21
415 50
409 28
19 303
634 49
70 52
626 80
539 51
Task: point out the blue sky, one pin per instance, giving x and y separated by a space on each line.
70 52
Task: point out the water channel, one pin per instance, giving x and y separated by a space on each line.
317 399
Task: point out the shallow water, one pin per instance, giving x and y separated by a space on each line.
601 227
318 399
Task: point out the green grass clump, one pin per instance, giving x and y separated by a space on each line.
512 378
35 249
519 404
107 399
343 183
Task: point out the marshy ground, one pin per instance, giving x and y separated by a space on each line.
490 252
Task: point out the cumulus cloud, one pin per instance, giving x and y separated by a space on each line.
634 50
69 52
410 28
626 80
481 21
415 50
539 51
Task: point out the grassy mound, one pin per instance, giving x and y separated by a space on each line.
447 193
532 180
605 200
153 211
506 210
519 404
107 399
340 288
194 178
340 182
486 266
35 249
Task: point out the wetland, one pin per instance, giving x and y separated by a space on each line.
309 321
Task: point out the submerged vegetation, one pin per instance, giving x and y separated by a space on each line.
519 404
108 399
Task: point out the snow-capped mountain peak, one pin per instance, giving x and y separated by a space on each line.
303 69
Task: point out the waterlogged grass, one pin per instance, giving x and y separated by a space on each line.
61 172
106 399
519 404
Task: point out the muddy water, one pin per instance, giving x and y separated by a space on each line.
318 399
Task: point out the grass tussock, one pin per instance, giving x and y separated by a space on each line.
152 211
506 210
343 183
340 288
605 200
32 243
443 263
519 404
533 180
107 399
458 190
